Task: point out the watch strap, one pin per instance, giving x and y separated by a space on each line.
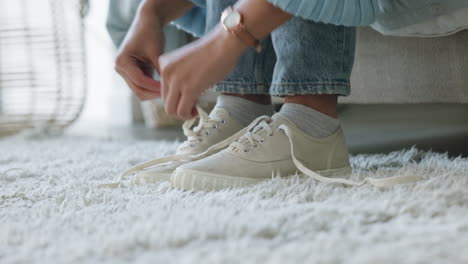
242 34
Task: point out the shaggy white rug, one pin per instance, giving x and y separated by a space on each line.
52 212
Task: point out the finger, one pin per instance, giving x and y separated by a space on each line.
155 62
130 67
144 95
137 76
194 111
163 61
141 93
164 88
165 82
186 106
172 100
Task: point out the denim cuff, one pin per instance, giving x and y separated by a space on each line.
338 87
242 87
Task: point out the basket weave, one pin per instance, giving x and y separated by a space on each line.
42 63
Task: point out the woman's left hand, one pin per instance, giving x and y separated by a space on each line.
187 72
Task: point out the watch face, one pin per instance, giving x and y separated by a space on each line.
232 19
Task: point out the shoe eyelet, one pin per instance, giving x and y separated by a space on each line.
223 122
207 133
246 150
262 141
200 140
215 126
270 135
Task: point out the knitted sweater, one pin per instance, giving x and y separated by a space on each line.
392 14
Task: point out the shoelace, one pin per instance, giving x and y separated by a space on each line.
4 174
205 123
252 137
211 150
383 182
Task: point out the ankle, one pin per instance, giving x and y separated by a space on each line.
309 120
256 98
242 109
325 104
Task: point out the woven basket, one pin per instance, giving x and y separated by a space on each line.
42 63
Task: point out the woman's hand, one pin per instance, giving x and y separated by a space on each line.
187 72
139 53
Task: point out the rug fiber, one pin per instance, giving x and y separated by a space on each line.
52 212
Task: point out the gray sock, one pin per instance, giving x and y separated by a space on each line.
309 120
243 110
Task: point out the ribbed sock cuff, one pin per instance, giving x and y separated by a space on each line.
243 110
310 120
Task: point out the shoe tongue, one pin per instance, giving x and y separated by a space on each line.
276 120
218 112
256 130
279 119
197 128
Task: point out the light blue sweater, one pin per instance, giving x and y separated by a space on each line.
392 14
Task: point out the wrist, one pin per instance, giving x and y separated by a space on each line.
229 42
152 9
165 10
152 4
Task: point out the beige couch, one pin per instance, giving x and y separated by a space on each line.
410 70
408 91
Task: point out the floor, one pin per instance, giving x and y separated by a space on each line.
52 210
368 128
384 128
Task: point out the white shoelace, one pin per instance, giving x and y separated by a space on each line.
253 138
383 182
4 175
205 124
211 150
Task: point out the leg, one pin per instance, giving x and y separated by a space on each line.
245 92
314 63
313 67
251 78
312 71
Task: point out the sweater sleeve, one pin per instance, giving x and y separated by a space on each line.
338 12
119 18
194 21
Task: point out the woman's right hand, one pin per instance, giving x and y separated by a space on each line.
139 53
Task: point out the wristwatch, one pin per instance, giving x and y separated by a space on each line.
231 20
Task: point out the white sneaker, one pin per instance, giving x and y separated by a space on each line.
275 147
210 130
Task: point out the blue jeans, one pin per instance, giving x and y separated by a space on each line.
300 57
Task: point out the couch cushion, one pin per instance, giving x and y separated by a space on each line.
443 25
409 70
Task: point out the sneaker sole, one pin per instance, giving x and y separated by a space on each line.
145 179
203 181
